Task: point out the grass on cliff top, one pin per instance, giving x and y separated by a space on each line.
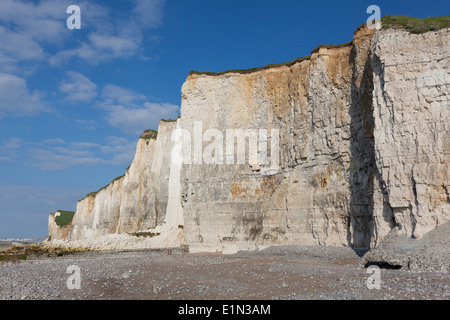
149 134
65 218
330 46
413 25
245 71
416 25
152 134
169 120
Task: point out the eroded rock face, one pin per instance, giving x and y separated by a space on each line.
55 231
363 143
411 101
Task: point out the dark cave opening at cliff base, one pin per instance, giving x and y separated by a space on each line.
383 265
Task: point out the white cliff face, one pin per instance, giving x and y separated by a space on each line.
363 143
138 201
411 101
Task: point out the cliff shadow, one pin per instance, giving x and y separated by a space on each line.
362 156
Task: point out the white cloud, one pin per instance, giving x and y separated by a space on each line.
83 145
27 27
134 120
54 141
78 87
86 124
100 48
112 37
24 209
41 21
133 117
16 99
149 13
125 109
115 46
5 159
116 94
131 112
56 154
19 47
121 149
11 144
10 149
60 159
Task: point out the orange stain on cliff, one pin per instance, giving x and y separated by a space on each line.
237 190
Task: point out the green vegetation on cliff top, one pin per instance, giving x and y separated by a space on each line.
152 134
243 71
65 218
149 134
413 25
416 25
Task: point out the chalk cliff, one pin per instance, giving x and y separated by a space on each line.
362 132
136 203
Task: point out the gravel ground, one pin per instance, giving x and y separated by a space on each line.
282 273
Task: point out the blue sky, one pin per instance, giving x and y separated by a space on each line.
74 102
